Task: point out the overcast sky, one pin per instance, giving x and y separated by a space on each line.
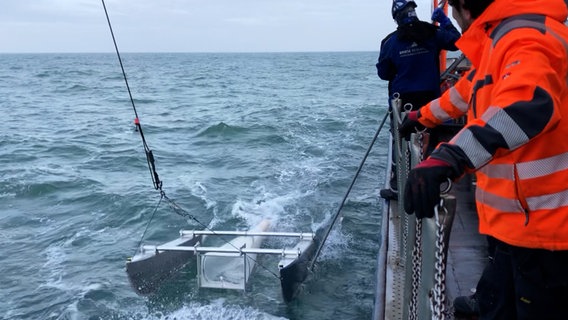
196 25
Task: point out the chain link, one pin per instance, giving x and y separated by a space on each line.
416 252
416 270
439 291
405 218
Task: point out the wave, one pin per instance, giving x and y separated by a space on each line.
279 139
222 130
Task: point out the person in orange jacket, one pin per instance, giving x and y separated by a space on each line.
516 142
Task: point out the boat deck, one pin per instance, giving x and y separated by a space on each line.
467 255
467 252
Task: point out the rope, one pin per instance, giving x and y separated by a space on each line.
152 165
149 155
148 224
328 230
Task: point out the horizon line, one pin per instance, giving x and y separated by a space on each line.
181 52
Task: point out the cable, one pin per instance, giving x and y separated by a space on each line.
149 155
151 162
328 230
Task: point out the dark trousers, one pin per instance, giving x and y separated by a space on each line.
523 283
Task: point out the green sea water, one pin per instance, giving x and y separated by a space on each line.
237 138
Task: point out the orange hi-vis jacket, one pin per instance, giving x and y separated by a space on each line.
516 136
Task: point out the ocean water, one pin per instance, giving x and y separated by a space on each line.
237 138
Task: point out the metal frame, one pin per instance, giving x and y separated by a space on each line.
248 255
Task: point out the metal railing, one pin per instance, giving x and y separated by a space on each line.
416 250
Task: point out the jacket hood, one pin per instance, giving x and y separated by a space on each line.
502 9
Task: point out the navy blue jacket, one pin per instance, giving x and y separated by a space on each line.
409 57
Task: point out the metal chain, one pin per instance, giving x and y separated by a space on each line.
416 270
439 291
401 155
405 218
416 252
438 296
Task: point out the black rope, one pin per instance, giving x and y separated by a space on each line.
149 155
328 230
147 225
151 162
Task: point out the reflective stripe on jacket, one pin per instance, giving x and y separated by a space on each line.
516 138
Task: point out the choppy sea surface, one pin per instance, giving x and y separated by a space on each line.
237 138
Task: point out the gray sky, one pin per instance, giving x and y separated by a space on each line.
196 25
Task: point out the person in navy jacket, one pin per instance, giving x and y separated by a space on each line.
409 60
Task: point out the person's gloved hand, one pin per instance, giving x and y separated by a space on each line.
410 124
422 189
439 16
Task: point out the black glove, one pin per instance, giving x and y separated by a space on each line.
410 124
422 189
440 16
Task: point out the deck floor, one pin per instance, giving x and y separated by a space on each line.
467 253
